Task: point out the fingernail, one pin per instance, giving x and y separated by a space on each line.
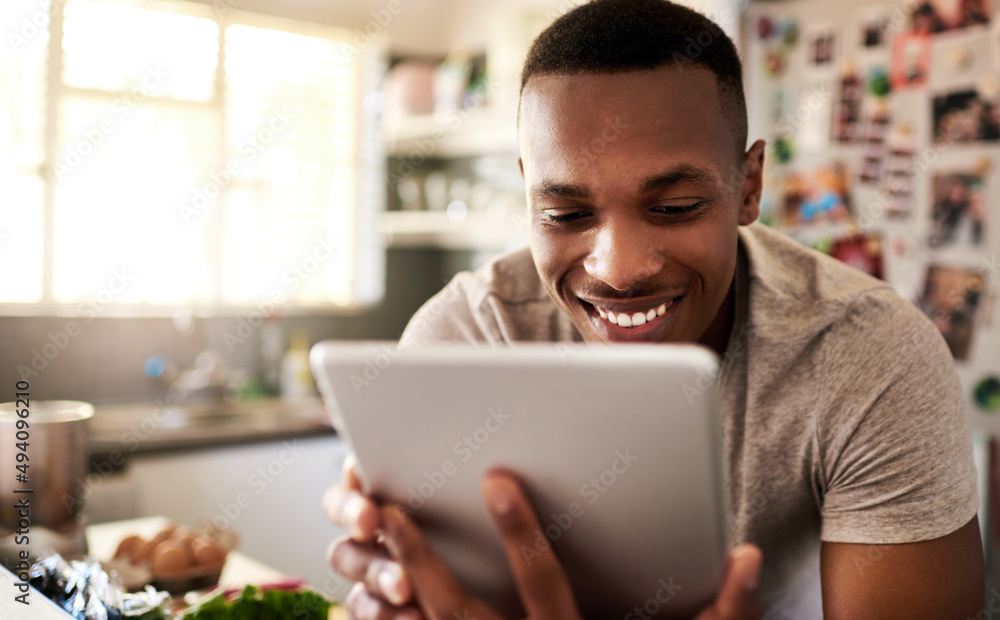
390 582
352 514
349 461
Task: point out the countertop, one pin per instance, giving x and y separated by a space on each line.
124 429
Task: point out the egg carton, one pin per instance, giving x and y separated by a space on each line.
175 560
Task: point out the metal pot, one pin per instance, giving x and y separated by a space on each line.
57 462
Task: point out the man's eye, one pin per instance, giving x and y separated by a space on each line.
564 218
677 209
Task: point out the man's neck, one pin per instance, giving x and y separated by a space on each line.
716 337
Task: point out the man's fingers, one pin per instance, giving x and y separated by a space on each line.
350 472
363 605
738 598
541 582
352 511
439 595
370 565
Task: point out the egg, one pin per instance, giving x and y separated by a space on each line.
127 546
142 553
170 558
165 534
185 544
207 553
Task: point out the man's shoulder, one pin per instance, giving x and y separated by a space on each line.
502 301
789 269
802 290
510 277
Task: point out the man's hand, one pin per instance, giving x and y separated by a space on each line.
421 581
383 590
542 585
738 599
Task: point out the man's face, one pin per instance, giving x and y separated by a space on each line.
635 193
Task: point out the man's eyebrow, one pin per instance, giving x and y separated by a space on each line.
548 189
682 173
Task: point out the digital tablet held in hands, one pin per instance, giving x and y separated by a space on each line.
618 447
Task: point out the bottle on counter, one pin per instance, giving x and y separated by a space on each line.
272 351
296 378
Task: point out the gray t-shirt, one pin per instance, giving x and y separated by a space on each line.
843 418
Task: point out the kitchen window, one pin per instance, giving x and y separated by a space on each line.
164 155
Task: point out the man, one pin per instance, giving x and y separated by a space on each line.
847 442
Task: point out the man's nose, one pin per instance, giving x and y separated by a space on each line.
622 258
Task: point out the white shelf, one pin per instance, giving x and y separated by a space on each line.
478 231
461 133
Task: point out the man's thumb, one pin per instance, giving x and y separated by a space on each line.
738 598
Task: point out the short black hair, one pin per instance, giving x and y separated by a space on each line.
615 36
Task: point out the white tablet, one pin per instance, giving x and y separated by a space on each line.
619 448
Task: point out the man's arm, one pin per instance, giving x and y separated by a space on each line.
937 579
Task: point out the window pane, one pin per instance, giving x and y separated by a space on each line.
21 239
22 115
126 202
292 132
114 47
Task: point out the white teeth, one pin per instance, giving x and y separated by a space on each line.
636 319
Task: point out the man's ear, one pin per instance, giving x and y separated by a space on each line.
753 183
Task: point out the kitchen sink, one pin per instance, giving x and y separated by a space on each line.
155 426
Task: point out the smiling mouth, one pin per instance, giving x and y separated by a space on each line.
632 319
